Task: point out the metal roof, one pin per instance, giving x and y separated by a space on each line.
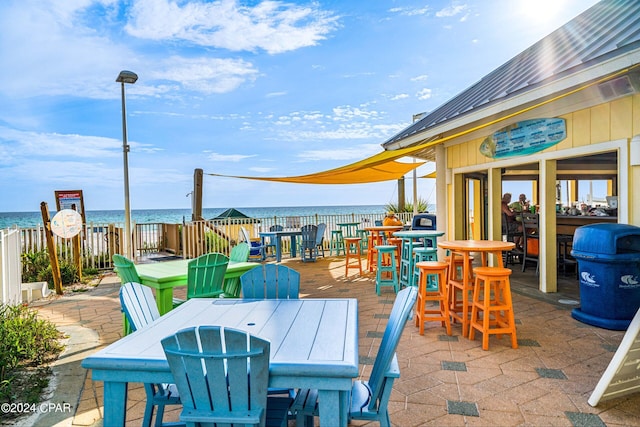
607 30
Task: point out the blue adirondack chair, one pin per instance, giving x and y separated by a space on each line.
239 253
222 375
205 276
369 399
320 238
139 307
270 244
309 244
271 281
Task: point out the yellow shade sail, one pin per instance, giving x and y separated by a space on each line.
386 171
383 167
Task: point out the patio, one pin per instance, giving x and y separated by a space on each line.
444 380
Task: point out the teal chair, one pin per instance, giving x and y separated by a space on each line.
239 253
309 243
369 399
140 309
322 227
205 276
222 376
271 281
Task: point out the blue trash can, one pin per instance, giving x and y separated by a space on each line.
608 258
424 221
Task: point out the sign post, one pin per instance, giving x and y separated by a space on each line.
51 247
72 199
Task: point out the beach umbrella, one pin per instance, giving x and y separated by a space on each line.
231 213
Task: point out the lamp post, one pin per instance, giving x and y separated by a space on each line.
415 118
126 77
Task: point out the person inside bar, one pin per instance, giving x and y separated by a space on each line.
513 227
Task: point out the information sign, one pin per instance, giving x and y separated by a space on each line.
67 223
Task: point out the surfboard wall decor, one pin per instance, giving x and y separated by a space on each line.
522 138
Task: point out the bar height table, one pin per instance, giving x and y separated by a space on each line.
464 248
409 240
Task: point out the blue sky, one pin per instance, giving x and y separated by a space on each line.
263 88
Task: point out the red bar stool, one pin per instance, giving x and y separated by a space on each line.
432 286
353 251
492 297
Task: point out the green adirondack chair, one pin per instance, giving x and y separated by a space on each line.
126 271
239 253
205 276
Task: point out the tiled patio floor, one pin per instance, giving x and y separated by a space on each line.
445 380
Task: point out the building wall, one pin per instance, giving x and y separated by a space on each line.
609 126
618 119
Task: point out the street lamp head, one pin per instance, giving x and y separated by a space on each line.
127 77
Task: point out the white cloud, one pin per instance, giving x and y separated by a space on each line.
273 26
419 78
261 169
407 11
217 157
452 10
424 94
21 144
399 97
275 94
344 154
206 75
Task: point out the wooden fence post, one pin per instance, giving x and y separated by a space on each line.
51 247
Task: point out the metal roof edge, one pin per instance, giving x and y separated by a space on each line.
553 88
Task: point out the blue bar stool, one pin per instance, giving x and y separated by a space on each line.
407 267
387 271
337 242
422 254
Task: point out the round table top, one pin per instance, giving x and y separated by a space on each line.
476 245
384 228
418 233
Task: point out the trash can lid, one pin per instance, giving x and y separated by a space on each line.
607 238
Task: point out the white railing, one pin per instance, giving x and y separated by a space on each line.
10 266
100 242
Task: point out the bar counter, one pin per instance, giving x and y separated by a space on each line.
567 224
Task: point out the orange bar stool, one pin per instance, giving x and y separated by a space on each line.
364 235
459 294
353 251
492 297
432 287
387 271
422 254
372 253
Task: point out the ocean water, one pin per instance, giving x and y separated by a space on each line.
176 216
